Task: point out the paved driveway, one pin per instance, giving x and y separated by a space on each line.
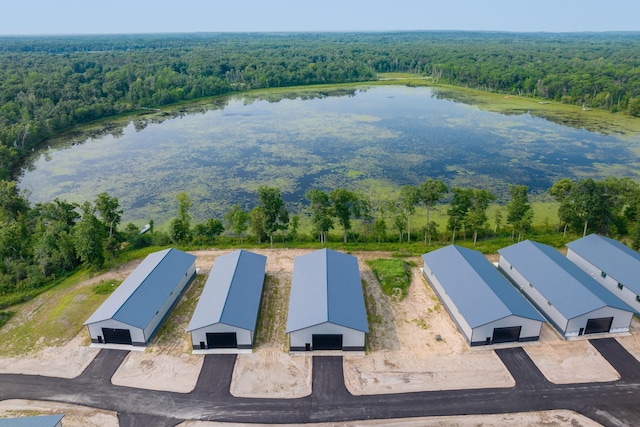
611 403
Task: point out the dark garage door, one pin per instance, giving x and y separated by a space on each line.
222 340
510 334
594 326
116 336
327 342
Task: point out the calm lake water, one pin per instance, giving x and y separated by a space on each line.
373 139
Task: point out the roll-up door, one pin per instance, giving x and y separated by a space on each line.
511 334
116 336
327 342
595 326
222 340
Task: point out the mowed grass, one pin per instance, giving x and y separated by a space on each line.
52 318
393 274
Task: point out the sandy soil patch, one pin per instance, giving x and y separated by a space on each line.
66 361
74 415
270 373
415 346
557 418
163 372
567 362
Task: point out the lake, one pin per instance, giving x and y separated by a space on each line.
373 139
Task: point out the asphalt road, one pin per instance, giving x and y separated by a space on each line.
612 403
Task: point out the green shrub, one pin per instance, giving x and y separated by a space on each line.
394 275
105 287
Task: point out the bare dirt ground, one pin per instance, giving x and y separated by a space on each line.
74 415
413 345
566 362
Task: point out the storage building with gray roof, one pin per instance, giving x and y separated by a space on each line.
612 264
134 311
225 318
571 300
36 421
326 306
486 308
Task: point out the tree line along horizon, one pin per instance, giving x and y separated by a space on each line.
51 84
52 239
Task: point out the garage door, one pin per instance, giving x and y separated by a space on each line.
594 326
222 340
511 334
116 336
327 342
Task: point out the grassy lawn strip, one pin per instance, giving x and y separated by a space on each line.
394 275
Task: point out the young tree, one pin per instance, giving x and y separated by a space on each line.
380 229
110 212
400 224
519 211
345 206
89 237
457 212
477 213
276 215
431 192
293 227
561 191
320 213
409 198
180 227
236 220
257 220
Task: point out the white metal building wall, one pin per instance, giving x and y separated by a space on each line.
350 337
243 336
95 330
451 307
609 282
552 313
530 328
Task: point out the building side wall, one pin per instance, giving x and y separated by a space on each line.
530 329
163 311
555 317
95 330
449 305
351 339
243 336
620 323
609 282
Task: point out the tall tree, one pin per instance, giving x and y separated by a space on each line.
561 191
275 214
236 220
477 214
519 211
110 211
320 213
430 193
457 212
180 226
257 222
409 198
346 206
89 237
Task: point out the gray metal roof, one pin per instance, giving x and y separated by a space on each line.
572 291
480 293
326 287
38 421
617 260
137 299
232 292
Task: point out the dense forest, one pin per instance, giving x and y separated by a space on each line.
49 84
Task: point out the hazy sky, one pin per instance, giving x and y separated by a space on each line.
144 16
